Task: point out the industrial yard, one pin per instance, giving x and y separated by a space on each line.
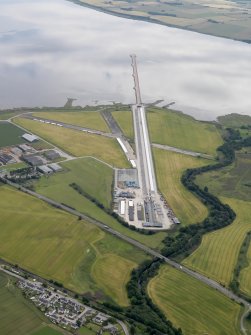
136 197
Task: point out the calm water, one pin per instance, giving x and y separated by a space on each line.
53 49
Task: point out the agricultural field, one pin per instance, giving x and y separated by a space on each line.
245 275
58 246
17 315
93 120
78 143
86 172
182 131
192 305
218 253
125 121
169 168
10 135
233 181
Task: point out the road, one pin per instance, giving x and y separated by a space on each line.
67 125
181 151
198 276
136 80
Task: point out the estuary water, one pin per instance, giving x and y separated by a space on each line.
54 49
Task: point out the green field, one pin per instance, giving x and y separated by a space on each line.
5 115
169 169
182 131
10 134
95 178
17 314
233 181
245 275
217 255
78 143
58 246
92 176
234 120
125 121
47 331
193 306
92 120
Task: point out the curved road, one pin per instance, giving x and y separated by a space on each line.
198 276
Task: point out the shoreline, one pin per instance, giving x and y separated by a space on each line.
151 20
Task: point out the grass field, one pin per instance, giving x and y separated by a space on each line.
104 268
234 120
17 315
169 169
233 181
78 143
92 176
95 183
47 331
182 131
10 134
95 178
92 120
125 121
193 306
245 275
217 255
56 245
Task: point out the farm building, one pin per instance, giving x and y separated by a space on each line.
16 151
51 154
33 160
44 169
7 159
26 148
30 138
55 167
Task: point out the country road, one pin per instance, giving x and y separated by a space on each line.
181 151
179 267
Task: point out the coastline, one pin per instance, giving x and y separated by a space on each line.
151 20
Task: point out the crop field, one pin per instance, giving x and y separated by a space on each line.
10 134
169 169
93 120
182 131
78 143
58 246
245 275
87 174
193 306
233 181
17 315
217 255
125 121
